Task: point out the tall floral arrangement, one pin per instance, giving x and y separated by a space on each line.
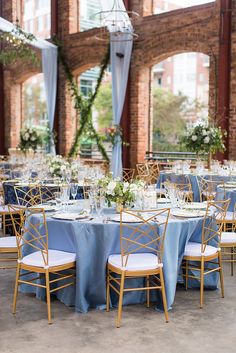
30 138
57 166
204 139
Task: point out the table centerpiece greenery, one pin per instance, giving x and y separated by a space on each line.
121 193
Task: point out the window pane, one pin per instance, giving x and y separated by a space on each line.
36 17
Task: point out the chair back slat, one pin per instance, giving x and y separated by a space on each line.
212 227
145 234
31 231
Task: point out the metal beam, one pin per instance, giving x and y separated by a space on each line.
224 66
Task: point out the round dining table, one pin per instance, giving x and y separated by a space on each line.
193 178
93 240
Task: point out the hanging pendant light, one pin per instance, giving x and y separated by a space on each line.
116 23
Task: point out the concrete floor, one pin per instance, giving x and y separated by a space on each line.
143 330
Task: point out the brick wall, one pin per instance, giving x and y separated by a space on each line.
160 36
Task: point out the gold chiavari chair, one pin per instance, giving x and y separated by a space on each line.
208 189
86 187
154 172
29 195
48 192
228 240
31 232
198 255
143 172
128 174
148 236
8 246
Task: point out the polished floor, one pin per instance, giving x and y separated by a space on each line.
143 330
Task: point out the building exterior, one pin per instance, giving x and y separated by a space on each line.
201 29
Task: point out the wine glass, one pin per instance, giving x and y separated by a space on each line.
73 190
99 204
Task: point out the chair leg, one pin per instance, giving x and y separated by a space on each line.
108 291
221 276
201 282
232 261
163 292
48 296
122 281
4 224
16 289
148 291
186 276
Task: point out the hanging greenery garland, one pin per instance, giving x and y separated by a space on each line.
15 45
83 105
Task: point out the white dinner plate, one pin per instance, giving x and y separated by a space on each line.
163 200
196 206
126 218
70 216
47 208
187 214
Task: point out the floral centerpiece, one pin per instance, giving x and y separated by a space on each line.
113 134
205 139
122 193
57 166
30 138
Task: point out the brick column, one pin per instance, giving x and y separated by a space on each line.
12 109
139 113
66 123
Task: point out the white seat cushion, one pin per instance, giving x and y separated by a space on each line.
194 249
55 258
136 262
228 237
8 242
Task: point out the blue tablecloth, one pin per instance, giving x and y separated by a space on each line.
10 196
230 194
94 241
164 176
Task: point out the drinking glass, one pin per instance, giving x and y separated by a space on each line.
73 190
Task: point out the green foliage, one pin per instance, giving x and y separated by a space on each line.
103 105
83 105
170 113
168 119
204 139
16 45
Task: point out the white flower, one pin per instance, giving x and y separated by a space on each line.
194 138
134 188
26 136
110 187
206 139
204 132
33 138
125 186
63 167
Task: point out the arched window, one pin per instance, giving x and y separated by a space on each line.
180 97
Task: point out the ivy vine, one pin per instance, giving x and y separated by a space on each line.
15 45
83 105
